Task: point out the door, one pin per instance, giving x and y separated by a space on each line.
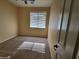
64 23
63 28
69 28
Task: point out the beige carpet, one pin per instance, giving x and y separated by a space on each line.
11 48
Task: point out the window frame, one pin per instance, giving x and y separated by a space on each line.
45 20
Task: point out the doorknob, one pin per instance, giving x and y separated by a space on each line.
55 47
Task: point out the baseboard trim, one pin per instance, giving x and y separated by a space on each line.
8 39
33 36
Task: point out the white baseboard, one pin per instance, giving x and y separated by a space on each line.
7 39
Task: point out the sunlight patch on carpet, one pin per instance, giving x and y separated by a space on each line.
38 47
26 45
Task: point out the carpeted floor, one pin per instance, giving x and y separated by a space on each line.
10 48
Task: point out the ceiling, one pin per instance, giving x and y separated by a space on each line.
37 3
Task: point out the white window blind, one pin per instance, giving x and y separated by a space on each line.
38 20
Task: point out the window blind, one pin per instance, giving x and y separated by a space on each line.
38 20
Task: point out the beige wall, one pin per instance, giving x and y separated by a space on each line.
8 20
24 18
53 26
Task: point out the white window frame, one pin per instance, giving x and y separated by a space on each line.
38 20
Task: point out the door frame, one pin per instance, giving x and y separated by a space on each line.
61 20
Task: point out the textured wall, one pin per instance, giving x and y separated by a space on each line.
8 20
24 22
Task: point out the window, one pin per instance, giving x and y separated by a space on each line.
38 19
